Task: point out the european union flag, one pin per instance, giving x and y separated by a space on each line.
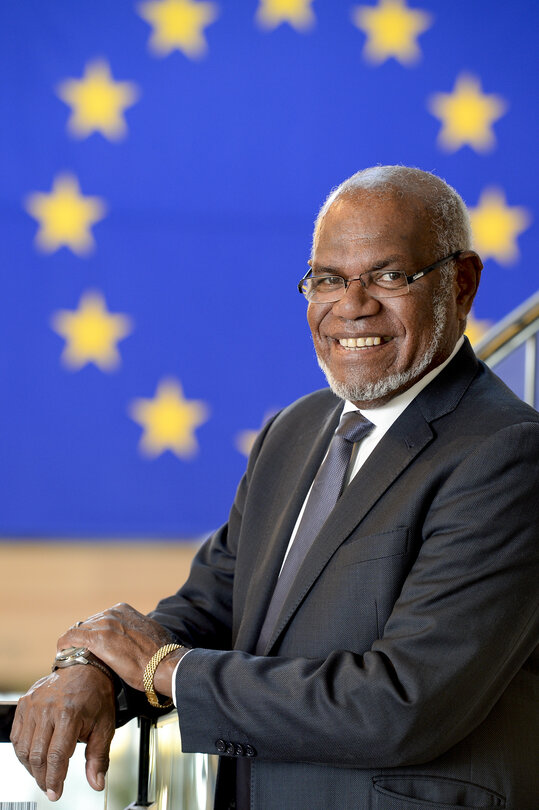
162 164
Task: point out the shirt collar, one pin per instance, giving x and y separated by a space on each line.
385 415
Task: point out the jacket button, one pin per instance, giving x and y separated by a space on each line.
231 749
221 746
240 750
250 751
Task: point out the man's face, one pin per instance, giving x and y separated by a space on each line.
413 333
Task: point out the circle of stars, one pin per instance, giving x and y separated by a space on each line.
98 104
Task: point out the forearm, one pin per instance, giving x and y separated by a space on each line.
345 710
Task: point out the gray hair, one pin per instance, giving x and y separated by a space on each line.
444 207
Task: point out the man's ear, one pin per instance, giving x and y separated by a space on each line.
469 266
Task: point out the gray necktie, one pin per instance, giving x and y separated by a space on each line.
325 492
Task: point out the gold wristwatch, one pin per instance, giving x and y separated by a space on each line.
79 655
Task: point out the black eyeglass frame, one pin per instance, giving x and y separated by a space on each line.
348 281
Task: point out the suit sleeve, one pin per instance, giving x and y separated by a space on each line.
200 613
465 622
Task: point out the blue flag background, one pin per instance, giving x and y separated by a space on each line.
162 163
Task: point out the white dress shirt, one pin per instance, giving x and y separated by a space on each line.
382 418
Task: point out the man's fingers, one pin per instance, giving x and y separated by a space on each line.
22 733
60 747
17 725
37 754
22 729
97 754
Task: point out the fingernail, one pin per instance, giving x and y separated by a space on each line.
100 779
52 796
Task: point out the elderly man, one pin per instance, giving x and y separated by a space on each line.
362 632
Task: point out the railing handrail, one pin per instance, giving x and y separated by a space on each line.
7 712
509 333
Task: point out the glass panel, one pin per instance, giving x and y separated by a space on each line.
178 779
511 370
16 785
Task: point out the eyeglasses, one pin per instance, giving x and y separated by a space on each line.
326 289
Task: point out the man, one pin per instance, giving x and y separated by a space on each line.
382 657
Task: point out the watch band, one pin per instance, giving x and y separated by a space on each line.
85 657
149 673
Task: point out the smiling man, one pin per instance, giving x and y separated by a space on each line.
376 340
363 631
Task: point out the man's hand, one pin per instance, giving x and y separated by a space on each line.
122 638
76 703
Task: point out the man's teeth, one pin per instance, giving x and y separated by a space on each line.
360 343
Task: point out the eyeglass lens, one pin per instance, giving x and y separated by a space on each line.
378 283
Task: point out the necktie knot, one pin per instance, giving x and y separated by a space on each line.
353 426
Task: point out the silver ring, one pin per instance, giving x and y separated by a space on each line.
77 624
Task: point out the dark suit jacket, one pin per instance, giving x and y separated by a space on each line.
400 674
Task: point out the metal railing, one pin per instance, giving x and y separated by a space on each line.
168 778
510 349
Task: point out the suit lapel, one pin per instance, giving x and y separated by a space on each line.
406 438
401 444
307 454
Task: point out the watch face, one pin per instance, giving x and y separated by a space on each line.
71 652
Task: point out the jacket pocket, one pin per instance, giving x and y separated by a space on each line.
375 547
417 792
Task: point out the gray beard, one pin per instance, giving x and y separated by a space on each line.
367 392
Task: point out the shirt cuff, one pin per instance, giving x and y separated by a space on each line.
174 675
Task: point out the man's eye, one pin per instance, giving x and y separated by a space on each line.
388 278
327 281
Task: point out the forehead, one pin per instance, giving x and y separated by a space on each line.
370 225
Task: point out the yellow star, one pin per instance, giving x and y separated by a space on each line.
476 329
65 216
178 25
496 225
97 102
169 421
91 333
392 29
298 13
467 115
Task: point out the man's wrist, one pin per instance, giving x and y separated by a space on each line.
76 656
91 675
165 669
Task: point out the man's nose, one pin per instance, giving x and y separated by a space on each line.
356 302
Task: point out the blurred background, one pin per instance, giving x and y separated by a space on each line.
162 163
